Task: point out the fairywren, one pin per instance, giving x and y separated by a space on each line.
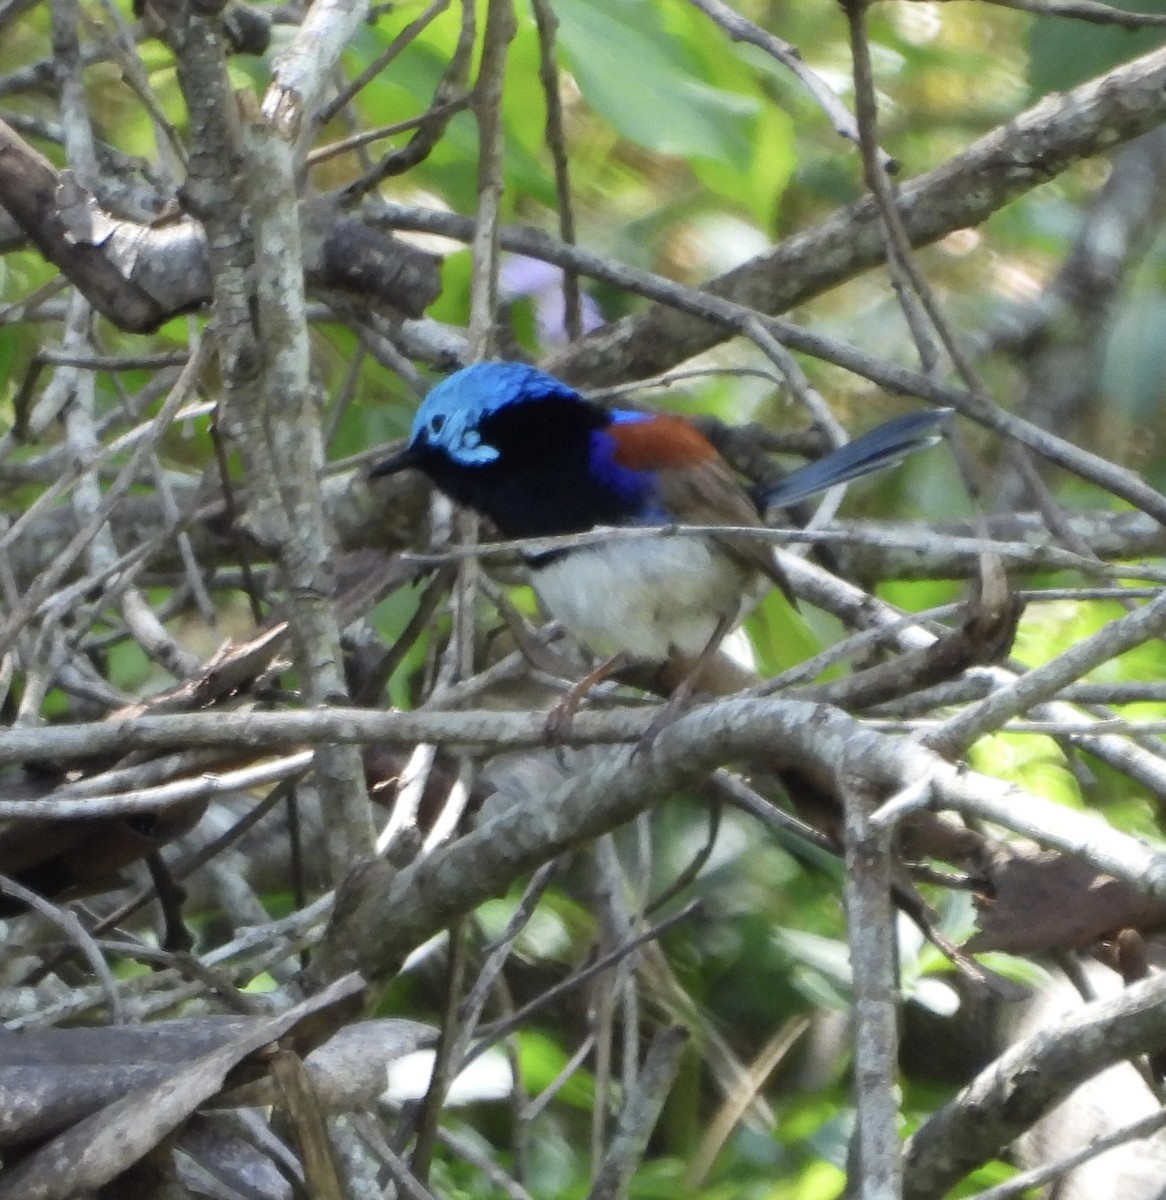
528 452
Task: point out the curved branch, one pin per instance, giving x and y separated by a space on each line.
1004 164
140 275
1027 1081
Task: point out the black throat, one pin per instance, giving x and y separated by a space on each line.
546 480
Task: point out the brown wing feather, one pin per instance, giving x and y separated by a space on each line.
709 494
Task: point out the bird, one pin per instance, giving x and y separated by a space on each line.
540 460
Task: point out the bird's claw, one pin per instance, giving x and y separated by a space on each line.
668 712
557 727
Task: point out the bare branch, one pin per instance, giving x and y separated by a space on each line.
870 924
1029 1079
1025 153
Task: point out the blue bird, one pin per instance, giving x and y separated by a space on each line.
537 459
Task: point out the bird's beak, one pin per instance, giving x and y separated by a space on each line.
406 457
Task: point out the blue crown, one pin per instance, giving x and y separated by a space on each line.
450 416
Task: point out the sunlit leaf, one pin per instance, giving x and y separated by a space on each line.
647 85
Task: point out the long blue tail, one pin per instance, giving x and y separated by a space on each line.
882 447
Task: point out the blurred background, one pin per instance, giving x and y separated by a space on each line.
689 155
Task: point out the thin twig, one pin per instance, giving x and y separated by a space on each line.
500 29
1085 10
547 25
1025 1181
639 1114
495 1032
405 38
77 934
742 30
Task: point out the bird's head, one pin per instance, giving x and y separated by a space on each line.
481 414
519 447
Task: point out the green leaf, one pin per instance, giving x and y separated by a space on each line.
817 1180
541 1061
1033 763
783 635
128 668
647 85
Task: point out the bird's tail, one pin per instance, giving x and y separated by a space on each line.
883 446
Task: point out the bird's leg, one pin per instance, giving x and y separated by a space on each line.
171 896
682 692
530 642
558 724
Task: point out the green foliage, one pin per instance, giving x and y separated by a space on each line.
609 42
1135 362
1034 763
541 1059
782 636
1063 54
128 667
688 152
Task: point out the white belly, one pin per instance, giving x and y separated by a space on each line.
645 598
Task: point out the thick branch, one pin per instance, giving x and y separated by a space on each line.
870 930
385 915
140 275
50 207
1030 1079
285 451
1011 160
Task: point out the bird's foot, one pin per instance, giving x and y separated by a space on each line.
557 728
686 687
675 706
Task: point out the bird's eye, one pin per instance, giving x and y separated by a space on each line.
435 424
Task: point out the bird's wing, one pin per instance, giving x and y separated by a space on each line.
709 494
654 441
694 484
